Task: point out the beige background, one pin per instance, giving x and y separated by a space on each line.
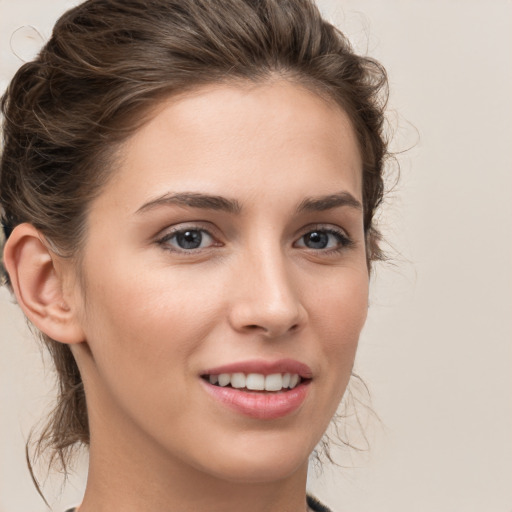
436 351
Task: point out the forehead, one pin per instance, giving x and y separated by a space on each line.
232 139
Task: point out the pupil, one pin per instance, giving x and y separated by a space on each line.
189 239
317 240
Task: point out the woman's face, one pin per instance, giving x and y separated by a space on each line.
229 241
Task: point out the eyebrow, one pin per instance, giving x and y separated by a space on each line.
213 202
194 200
329 202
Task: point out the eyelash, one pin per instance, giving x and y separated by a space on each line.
164 241
344 241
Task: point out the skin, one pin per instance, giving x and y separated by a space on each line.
146 317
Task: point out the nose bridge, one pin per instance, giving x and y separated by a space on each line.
267 299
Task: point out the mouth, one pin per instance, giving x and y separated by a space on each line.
259 389
256 382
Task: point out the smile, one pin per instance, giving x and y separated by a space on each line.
256 381
259 389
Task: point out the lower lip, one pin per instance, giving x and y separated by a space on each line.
260 405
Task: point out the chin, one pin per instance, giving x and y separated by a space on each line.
261 471
262 460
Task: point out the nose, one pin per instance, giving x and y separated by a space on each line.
266 298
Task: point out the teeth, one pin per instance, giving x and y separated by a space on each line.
224 379
273 382
238 380
256 381
294 380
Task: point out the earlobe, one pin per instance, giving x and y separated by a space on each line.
38 285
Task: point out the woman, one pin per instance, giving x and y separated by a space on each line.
188 193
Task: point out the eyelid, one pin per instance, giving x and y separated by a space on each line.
319 226
167 234
345 242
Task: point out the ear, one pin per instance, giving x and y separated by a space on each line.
36 276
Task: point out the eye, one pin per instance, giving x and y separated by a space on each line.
322 239
187 239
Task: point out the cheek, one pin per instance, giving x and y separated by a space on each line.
142 333
145 301
339 316
142 329
341 305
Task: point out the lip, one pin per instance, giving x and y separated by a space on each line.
264 367
263 405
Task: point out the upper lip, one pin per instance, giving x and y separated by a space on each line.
264 367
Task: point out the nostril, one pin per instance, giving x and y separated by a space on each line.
269 330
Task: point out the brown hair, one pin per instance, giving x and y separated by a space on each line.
105 66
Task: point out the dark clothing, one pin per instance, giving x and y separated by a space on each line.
313 504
